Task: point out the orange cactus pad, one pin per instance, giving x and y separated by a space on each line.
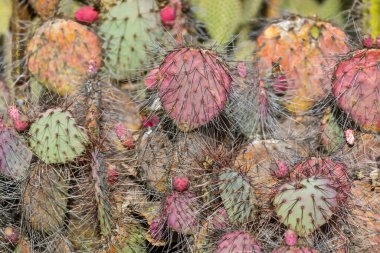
60 54
304 49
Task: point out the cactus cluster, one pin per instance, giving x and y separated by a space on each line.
188 126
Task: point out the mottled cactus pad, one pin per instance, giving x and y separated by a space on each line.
55 137
238 197
15 157
356 87
237 242
306 205
194 86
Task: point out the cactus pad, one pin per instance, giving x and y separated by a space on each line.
45 199
15 157
128 30
55 137
237 242
60 53
356 85
304 49
306 205
45 8
193 86
238 197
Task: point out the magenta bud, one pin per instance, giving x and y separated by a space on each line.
11 235
367 41
181 184
86 14
168 15
20 121
151 121
378 41
280 85
242 69
290 237
282 169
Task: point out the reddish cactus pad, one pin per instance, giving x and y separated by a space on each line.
356 87
237 242
194 86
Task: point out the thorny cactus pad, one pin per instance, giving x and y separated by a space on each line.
44 202
237 196
306 205
356 88
15 157
193 86
55 137
60 53
181 211
304 49
128 30
237 242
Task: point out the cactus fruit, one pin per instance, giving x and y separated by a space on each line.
193 86
60 53
221 18
237 242
128 30
182 212
15 157
304 49
44 203
238 197
286 249
290 237
45 8
55 137
86 14
356 81
180 184
306 205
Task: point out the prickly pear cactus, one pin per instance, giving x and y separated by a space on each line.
15 157
356 82
60 53
237 241
237 196
306 205
129 29
55 137
194 90
44 203
316 43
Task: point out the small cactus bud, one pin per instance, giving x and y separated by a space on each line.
125 136
168 15
350 136
20 122
86 14
242 69
367 41
290 237
112 175
11 235
282 169
151 121
181 184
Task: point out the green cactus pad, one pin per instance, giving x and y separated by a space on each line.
306 205
221 18
133 240
55 137
128 31
238 197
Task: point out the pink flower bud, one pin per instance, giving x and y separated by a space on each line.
290 237
20 121
242 69
168 15
367 41
378 41
282 169
349 135
86 14
181 184
151 121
